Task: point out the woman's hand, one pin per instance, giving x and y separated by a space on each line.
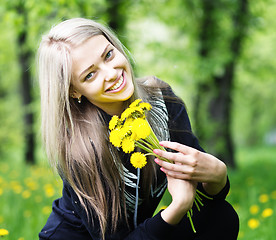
183 195
193 165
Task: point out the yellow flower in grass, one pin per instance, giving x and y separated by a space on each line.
26 194
113 122
3 232
141 128
46 210
128 145
138 160
254 209
263 198
253 223
267 212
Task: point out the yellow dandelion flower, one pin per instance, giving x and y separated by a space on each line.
113 122
141 128
254 209
263 198
138 160
128 145
115 137
32 185
145 106
49 190
267 212
46 210
127 113
128 122
3 232
135 103
125 131
26 194
253 223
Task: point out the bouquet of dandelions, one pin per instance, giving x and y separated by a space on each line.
133 130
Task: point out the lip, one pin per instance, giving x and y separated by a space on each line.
117 80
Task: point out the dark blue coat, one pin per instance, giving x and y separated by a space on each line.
68 220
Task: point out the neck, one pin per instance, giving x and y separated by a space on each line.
114 108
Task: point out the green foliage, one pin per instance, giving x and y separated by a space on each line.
163 37
26 195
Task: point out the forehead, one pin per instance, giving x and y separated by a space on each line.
91 46
87 53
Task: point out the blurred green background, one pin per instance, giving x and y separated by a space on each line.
217 55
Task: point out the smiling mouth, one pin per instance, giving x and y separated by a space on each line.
117 85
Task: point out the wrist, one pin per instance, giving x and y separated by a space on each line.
174 213
215 187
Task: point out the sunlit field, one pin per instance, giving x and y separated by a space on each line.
26 195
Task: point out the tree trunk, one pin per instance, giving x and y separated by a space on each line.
24 60
213 102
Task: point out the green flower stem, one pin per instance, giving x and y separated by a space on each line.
198 200
198 208
191 221
138 144
145 143
204 195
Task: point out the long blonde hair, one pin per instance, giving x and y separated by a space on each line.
75 135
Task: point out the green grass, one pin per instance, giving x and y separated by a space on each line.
26 195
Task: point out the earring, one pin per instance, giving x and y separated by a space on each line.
79 100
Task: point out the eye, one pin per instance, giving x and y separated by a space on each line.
89 76
109 54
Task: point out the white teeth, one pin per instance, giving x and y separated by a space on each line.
118 84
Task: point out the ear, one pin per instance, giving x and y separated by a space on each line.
73 92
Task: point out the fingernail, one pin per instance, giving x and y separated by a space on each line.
156 160
162 169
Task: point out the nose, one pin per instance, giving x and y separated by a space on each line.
110 74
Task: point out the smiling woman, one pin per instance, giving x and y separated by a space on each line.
102 74
86 78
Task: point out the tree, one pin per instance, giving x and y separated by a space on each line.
24 60
214 91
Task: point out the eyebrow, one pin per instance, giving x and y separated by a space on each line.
105 50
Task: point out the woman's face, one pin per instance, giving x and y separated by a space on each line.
102 74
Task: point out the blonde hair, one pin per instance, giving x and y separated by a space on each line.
75 135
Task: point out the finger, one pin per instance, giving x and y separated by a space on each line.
176 169
176 175
172 157
177 147
170 166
